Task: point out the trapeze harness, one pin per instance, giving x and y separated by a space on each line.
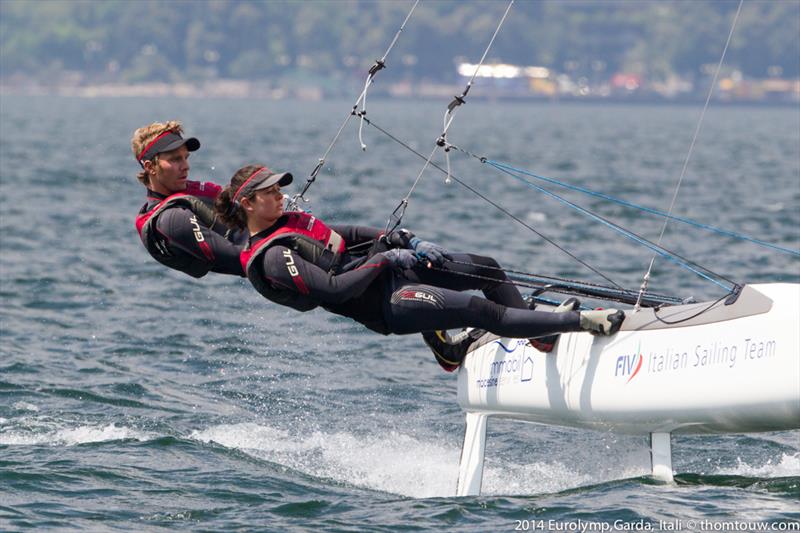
314 241
197 198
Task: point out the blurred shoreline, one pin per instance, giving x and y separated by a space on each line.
781 93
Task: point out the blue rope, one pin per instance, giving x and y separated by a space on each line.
689 221
660 251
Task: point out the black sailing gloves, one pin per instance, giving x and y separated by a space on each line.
602 321
428 251
401 259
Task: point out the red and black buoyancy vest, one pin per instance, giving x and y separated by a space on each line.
198 197
311 239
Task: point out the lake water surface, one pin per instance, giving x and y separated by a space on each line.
136 398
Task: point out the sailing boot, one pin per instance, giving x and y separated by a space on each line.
450 350
546 344
602 321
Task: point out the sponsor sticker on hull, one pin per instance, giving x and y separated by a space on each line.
516 366
717 354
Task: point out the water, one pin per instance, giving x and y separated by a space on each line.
136 398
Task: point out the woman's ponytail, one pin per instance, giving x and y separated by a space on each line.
228 210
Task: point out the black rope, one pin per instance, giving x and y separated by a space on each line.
673 322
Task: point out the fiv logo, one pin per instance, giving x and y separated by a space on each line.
629 365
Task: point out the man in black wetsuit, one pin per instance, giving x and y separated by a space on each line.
177 224
295 260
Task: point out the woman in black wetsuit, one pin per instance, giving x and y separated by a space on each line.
382 281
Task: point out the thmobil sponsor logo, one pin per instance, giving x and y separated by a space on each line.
629 365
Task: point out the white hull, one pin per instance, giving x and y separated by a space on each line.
735 369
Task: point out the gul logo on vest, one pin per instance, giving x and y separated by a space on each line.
290 263
198 235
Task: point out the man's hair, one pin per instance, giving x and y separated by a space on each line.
144 135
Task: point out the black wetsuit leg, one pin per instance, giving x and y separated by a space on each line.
413 308
471 272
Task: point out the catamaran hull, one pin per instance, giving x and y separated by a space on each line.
736 375
718 367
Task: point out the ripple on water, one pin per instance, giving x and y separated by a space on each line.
138 398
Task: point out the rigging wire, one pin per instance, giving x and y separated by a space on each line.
397 215
646 277
380 64
682 261
673 256
566 282
575 286
578 288
495 205
449 116
658 249
625 203
590 192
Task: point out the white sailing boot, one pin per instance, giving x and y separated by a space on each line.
602 321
